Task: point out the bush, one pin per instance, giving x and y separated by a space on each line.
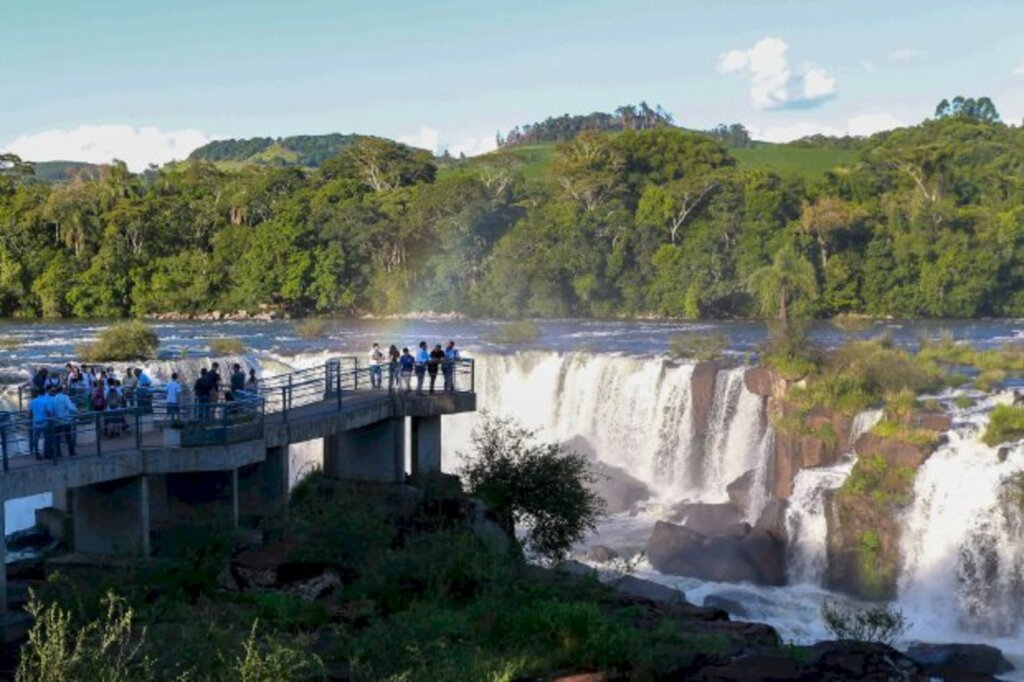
1006 423
700 347
543 486
120 342
312 328
109 648
514 333
10 343
877 624
270 660
227 346
789 352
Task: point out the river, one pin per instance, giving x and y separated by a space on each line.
610 387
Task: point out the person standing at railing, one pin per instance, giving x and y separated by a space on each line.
436 359
130 384
41 410
376 358
39 382
407 363
394 363
215 378
64 414
203 389
422 358
173 390
252 384
451 356
237 379
144 391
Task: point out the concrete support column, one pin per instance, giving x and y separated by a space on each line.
372 453
263 486
3 559
426 445
112 517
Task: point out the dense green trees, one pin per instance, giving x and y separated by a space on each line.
928 222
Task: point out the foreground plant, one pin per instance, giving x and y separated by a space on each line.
878 624
539 487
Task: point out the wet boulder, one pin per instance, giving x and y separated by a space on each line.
759 381
645 589
754 557
739 490
602 554
732 606
702 395
708 518
773 520
959 661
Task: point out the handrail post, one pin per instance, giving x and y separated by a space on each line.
355 375
284 402
472 375
3 443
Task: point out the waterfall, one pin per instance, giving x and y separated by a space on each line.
963 538
635 413
806 525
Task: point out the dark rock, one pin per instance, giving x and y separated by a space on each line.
620 491
576 568
739 490
706 518
733 607
602 554
1002 453
702 395
645 589
959 660
755 557
896 453
759 381
773 520
933 421
317 587
795 449
766 556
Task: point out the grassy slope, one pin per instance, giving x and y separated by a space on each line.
811 163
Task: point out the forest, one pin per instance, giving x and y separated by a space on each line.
637 221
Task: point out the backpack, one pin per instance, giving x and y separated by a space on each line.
97 401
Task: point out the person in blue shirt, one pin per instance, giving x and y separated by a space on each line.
422 358
451 356
41 409
408 364
64 412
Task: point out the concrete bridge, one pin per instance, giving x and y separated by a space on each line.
147 466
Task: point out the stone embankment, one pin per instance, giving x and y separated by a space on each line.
265 314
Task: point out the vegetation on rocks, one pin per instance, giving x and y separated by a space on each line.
1006 423
881 624
700 347
227 346
312 328
123 341
516 333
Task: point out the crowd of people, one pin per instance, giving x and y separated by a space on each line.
57 399
402 365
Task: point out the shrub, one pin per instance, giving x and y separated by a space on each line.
124 341
10 343
312 328
895 430
899 405
788 351
852 324
1006 423
543 486
227 346
878 624
109 648
270 660
519 332
964 402
700 347
990 379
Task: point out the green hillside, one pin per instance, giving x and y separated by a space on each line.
62 171
308 151
809 162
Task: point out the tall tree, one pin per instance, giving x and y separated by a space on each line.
789 279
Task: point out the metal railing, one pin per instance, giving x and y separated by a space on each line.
193 423
150 423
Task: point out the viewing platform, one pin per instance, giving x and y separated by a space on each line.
152 465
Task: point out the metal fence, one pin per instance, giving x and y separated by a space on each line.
147 420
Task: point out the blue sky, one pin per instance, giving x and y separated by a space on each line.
149 80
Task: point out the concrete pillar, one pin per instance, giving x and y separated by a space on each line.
112 517
3 559
371 453
426 445
201 498
263 486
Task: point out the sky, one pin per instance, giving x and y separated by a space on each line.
148 81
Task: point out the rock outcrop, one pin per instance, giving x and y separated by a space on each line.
753 556
960 661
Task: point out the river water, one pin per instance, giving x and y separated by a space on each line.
610 387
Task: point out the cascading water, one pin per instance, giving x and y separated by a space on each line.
963 539
635 413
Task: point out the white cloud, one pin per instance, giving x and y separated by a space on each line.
867 65
902 55
430 139
773 85
1019 69
859 125
137 147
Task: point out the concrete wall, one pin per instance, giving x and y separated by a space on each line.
370 453
111 517
263 487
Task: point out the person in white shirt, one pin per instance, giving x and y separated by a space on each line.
422 358
376 358
173 389
64 412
